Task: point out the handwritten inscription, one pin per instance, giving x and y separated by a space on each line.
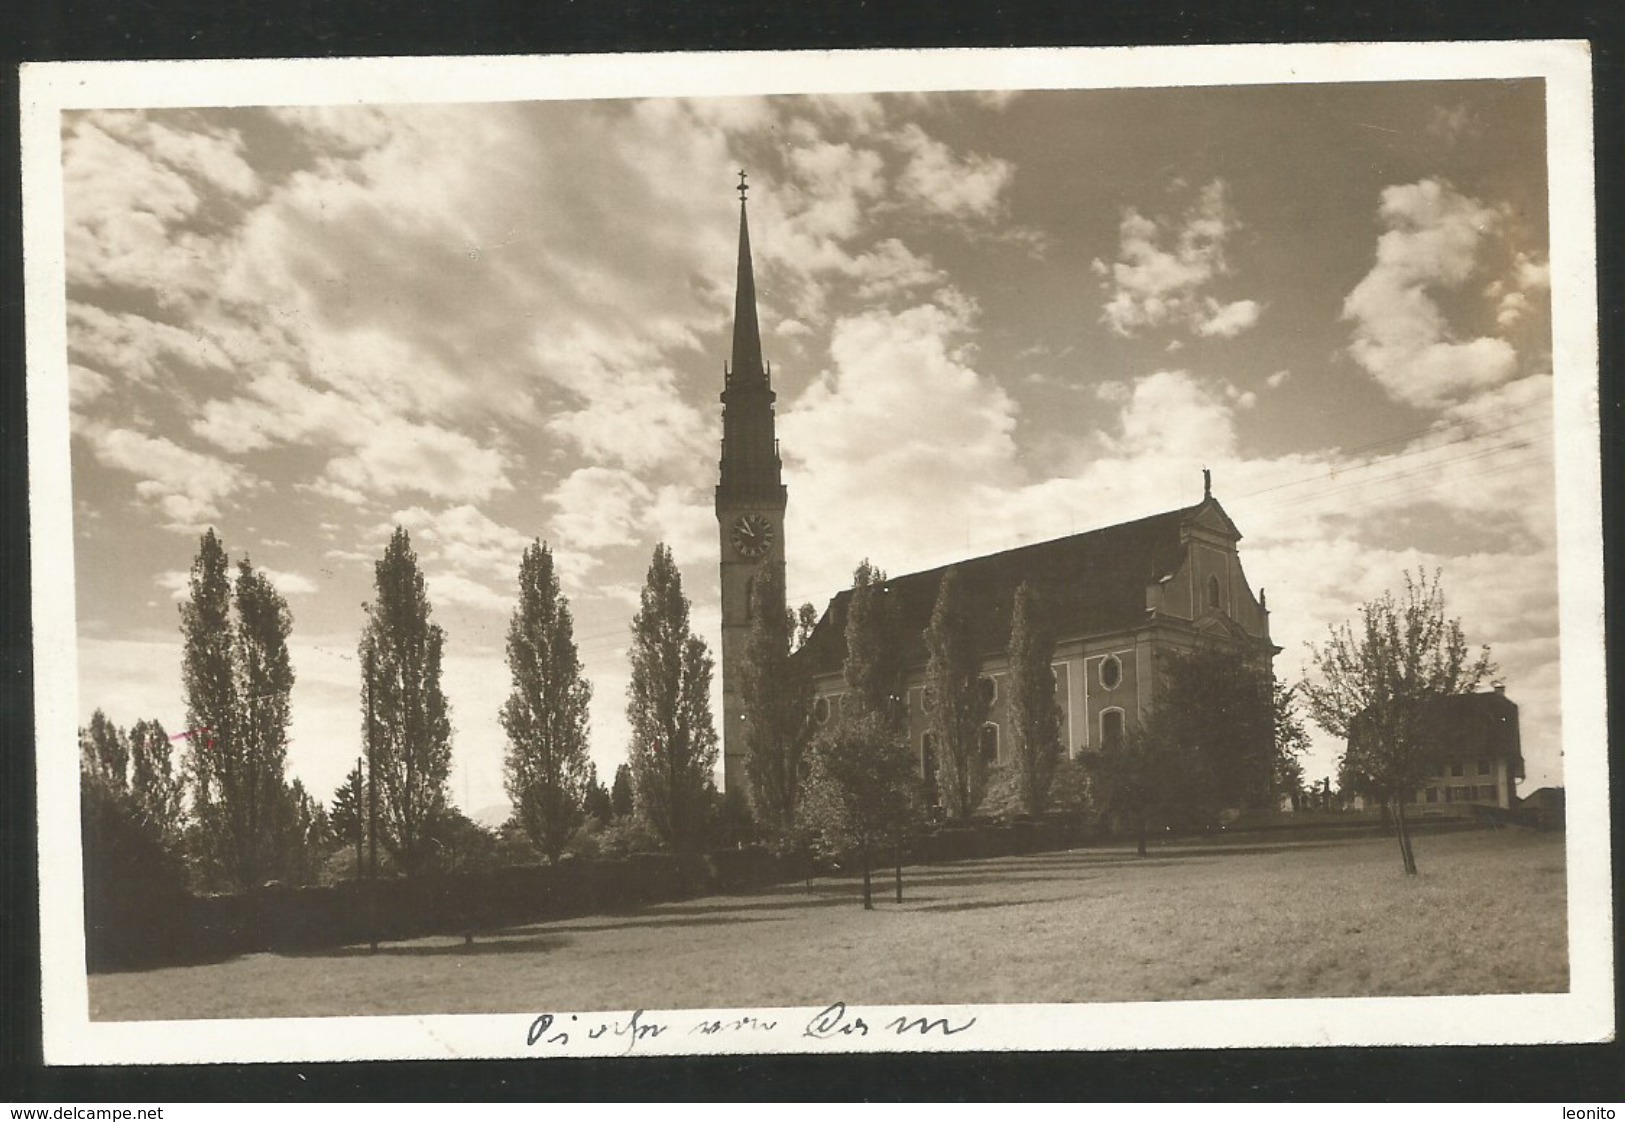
835 1022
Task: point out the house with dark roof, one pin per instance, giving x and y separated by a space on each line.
1473 753
1120 597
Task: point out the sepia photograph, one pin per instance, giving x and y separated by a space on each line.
854 551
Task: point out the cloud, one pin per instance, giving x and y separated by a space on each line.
1163 268
1433 240
1278 379
288 582
400 457
968 186
599 508
1226 321
188 488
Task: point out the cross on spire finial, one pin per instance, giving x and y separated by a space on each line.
743 186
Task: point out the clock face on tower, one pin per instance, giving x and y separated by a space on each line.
752 535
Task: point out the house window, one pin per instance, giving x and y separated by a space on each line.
750 597
988 690
1490 793
1458 769
821 709
1111 728
1111 672
1461 794
1483 767
1433 794
1213 593
988 742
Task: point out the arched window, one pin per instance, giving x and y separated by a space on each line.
988 690
1213 593
1111 672
821 709
750 597
1111 728
988 742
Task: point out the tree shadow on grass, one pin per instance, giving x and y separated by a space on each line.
991 877
528 939
983 905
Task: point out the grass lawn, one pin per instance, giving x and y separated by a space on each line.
1329 919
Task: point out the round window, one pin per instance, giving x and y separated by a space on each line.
1111 672
821 709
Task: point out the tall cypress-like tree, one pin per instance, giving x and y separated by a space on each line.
238 678
1035 718
208 676
401 649
874 665
777 695
546 770
255 764
668 705
953 684
621 802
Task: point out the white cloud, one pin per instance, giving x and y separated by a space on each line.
1226 321
288 582
599 508
968 186
1278 379
1163 269
187 487
1433 240
400 457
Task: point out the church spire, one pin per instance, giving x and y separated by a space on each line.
747 355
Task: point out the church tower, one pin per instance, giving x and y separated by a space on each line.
751 498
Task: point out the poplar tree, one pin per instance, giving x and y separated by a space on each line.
874 666
410 721
668 706
620 792
777 696
954 695
1035 718
254 763
207 675
546 770
238 678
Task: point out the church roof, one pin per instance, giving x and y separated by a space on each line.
1089 583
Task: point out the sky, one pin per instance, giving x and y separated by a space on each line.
992 319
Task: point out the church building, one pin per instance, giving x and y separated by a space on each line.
1119 596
